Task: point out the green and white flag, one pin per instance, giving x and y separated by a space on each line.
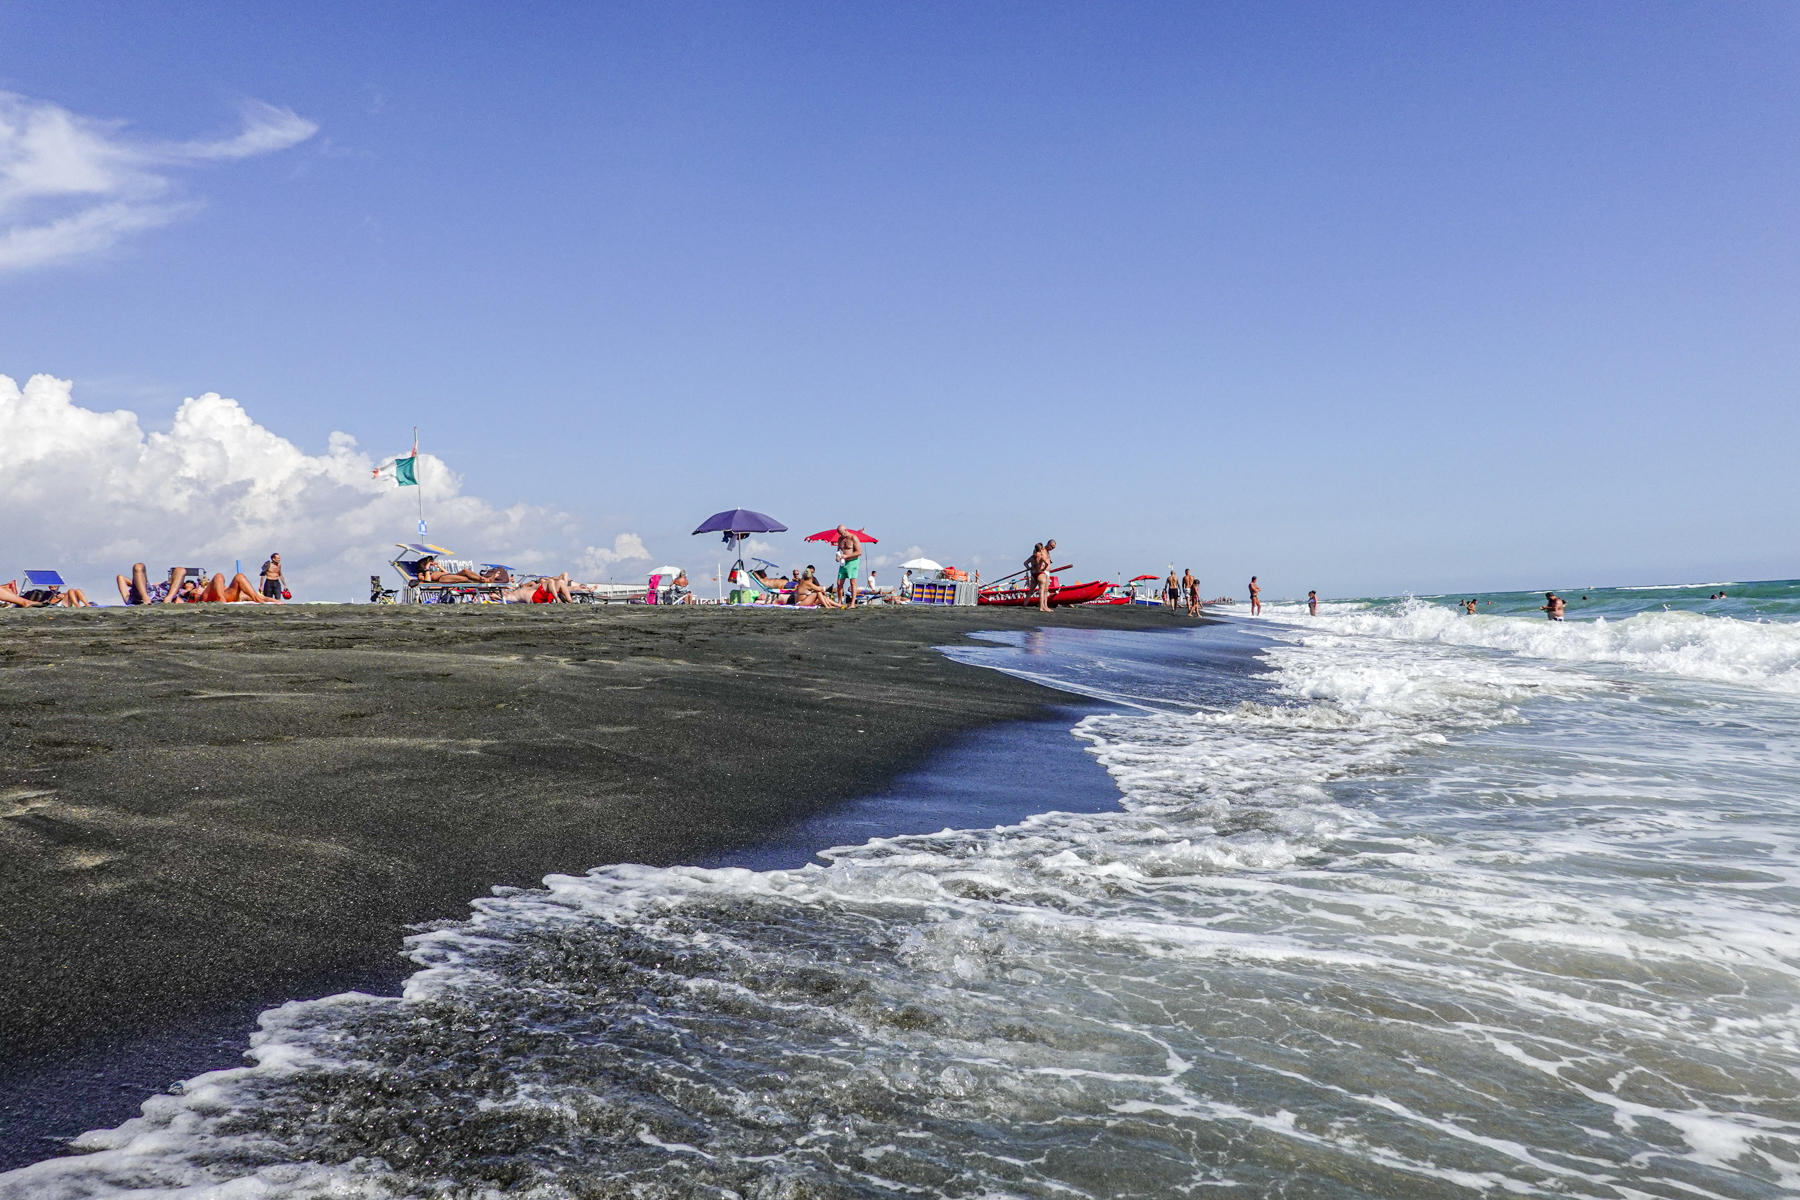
403 471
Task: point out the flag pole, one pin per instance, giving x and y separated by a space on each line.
421 485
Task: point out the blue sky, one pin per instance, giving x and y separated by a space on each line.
1363 298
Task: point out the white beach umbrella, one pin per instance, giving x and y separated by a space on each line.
921 564
669 571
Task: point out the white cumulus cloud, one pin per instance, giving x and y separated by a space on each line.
91 492
597 562
73 185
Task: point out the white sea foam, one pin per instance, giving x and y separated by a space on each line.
1429 916
1759 654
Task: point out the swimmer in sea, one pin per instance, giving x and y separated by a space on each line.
1554 609
1469 607
1312 604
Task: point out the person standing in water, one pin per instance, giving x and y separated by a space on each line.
1554 609
1469 607
1255 598
1312 604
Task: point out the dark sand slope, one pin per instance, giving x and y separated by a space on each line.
203 805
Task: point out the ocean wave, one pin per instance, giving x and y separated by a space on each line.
1720 649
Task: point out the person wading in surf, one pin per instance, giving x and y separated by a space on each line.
1554 609
1255 598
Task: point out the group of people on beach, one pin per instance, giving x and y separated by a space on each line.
802 589
1183 592
183 586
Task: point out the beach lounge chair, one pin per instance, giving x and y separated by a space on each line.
414 590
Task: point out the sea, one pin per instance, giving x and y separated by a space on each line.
1391 901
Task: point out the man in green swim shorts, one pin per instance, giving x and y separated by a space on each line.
849 552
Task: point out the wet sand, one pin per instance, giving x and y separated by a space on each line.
208 810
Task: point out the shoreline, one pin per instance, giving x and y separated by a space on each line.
214 816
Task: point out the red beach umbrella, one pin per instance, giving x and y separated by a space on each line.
831 535
1141 578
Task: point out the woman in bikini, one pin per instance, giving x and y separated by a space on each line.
808 593
429 572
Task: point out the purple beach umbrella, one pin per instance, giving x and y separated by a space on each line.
738 524
740 521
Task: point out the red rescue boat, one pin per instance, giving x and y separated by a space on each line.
1074 593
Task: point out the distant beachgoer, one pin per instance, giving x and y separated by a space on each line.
240 591
55 597
1469 607
680 592
1037 576
272 582
137 588
849 555
1193 596
1312 604
1187 590
1044 581
9 594
429 572
1255 597
1554 609
808 594
1171 590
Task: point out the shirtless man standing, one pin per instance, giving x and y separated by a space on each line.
1554 609
1312 604
849 563
1187 590
1255 598
273 582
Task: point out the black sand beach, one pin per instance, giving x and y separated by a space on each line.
210 810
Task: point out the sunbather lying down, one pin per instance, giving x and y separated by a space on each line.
429 572
181 590
548 590
239 591
54 596
137 589
9 594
